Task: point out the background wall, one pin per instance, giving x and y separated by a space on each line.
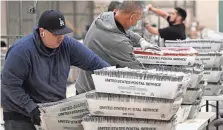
207 13
81 13
3 17
220 16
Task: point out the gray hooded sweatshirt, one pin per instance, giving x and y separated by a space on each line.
107 41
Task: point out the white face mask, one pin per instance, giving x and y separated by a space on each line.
133 27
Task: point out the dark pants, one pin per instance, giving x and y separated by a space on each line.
18 125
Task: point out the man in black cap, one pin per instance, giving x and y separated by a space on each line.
176 30
36 70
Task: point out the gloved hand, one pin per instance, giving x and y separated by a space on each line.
146 45
35 116
147 9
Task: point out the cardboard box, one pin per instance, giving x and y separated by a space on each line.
167 56
137 87
102 104
113 123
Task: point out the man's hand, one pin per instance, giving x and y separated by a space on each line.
151 29
35 116
146 45
149 7
157 11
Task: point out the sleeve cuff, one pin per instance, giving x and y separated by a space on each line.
135 37
30 106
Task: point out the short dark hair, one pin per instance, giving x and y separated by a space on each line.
181 12
131 6
114 5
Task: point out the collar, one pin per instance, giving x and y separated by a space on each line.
119 26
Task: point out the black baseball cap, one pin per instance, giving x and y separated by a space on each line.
54 22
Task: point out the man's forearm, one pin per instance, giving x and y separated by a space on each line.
135 37
152 29
159 12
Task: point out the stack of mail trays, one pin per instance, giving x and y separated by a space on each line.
210 55
184 60
141 99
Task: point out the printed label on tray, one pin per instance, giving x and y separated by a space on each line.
137 87
177 60
66 106
61 124
199 46
157 110
126 126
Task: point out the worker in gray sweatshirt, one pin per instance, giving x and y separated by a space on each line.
111 38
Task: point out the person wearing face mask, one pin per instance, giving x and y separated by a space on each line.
135 37
176 29
108 37
36 70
